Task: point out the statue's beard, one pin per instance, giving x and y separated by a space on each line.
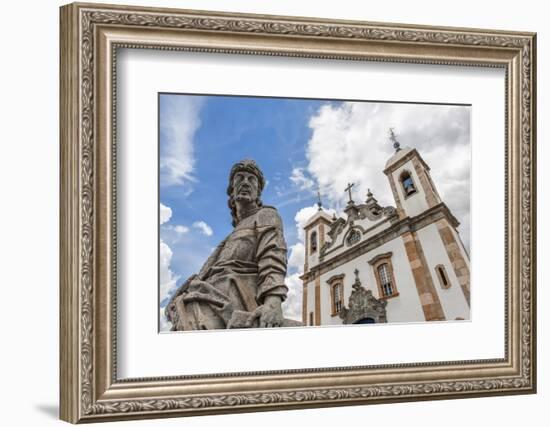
244 194
244 198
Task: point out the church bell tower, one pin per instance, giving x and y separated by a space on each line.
316 234
409 175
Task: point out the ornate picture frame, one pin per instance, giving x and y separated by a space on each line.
90 37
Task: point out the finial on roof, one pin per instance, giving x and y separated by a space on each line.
319 202
372 203
393 139
357 284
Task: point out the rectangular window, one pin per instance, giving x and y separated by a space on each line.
385 280
383 273
337 298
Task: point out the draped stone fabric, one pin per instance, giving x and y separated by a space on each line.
247 266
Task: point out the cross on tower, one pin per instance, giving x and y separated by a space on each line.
348 189
393 139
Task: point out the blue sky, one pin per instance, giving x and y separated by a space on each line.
271 131
300 145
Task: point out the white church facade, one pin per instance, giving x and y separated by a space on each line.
387 264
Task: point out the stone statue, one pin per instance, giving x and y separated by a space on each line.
241 285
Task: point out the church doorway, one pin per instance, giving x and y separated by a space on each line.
365 320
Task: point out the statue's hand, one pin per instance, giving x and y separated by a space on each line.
270 313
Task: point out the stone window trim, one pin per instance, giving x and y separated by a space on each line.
442 275
402 174
376 263
336 305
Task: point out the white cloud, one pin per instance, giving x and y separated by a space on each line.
165 214
349 143
203 227
181 229
292 307
297 256
302 217
164 324
167 277
179 123
300 180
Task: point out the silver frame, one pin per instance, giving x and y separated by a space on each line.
90 37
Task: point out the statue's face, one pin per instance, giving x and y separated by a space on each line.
245 187
172 314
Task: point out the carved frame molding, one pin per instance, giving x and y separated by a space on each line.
90 36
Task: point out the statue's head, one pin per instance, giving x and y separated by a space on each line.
246 182
171 313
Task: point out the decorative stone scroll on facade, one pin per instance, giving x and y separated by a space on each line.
363 307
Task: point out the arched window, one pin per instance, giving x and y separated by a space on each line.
442 276
313 242
336 284
407 183
354 237
383 271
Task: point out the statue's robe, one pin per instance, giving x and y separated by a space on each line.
249 265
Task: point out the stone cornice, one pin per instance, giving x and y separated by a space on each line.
379 257
405 225
336 277
314 223
404 160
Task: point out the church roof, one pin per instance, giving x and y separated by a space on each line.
398 155
320 214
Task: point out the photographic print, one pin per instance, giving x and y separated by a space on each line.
329 188
282 212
